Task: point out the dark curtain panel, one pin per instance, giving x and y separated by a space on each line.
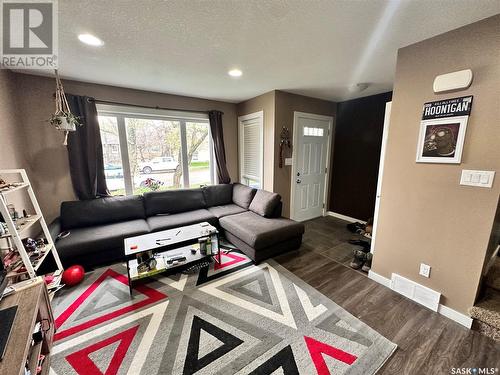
215 118
86 164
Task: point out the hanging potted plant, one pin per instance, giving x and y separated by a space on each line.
62 119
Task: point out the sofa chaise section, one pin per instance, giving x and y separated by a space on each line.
260 237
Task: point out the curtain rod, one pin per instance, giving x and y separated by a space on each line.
145 106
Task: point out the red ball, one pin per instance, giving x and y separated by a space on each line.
73 275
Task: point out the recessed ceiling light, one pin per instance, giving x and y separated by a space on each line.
90 39
235 73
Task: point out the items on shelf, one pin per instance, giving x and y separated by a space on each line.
36 251
23 255
12 212
176 259
29 244
146 262
4 186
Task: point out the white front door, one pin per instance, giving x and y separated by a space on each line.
311 140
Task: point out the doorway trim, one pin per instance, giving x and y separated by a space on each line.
378 195
296 116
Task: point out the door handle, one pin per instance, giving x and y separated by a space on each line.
298 180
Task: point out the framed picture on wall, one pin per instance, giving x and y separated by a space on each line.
442 140
442 131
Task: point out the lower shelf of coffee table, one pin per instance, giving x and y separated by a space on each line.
161 262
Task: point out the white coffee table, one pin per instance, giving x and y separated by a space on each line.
166 244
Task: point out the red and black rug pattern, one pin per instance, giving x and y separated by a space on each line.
228 318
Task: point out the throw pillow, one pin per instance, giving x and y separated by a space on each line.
243 195
264 203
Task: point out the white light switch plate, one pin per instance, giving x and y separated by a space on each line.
288 161
425 270
477 178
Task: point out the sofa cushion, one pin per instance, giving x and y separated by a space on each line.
260 232
264 203
173 201
162 222
77 214
228 209
218 195
96 239
243 195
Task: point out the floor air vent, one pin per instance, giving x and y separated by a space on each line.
418 293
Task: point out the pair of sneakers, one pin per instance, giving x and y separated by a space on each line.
356 227
362 257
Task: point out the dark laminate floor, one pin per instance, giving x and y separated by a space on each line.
428 343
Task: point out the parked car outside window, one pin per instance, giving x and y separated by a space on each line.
160 163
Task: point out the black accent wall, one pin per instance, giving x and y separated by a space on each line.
356 155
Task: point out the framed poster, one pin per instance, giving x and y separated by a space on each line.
442 130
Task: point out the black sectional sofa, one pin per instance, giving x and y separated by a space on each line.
249 218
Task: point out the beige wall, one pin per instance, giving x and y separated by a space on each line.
11 132
47 156
425 215
265 103
12 141
286 104
278 107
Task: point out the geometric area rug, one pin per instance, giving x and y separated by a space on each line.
229 318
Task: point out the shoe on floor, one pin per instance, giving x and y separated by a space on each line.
364 244
355 227
368 263
358 260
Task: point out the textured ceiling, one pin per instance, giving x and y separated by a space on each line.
315 48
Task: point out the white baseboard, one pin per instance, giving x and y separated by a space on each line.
344 217
379 279
442 309
455 315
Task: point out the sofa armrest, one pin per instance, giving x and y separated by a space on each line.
55 228
277 211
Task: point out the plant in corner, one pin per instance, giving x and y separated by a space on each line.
62 119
